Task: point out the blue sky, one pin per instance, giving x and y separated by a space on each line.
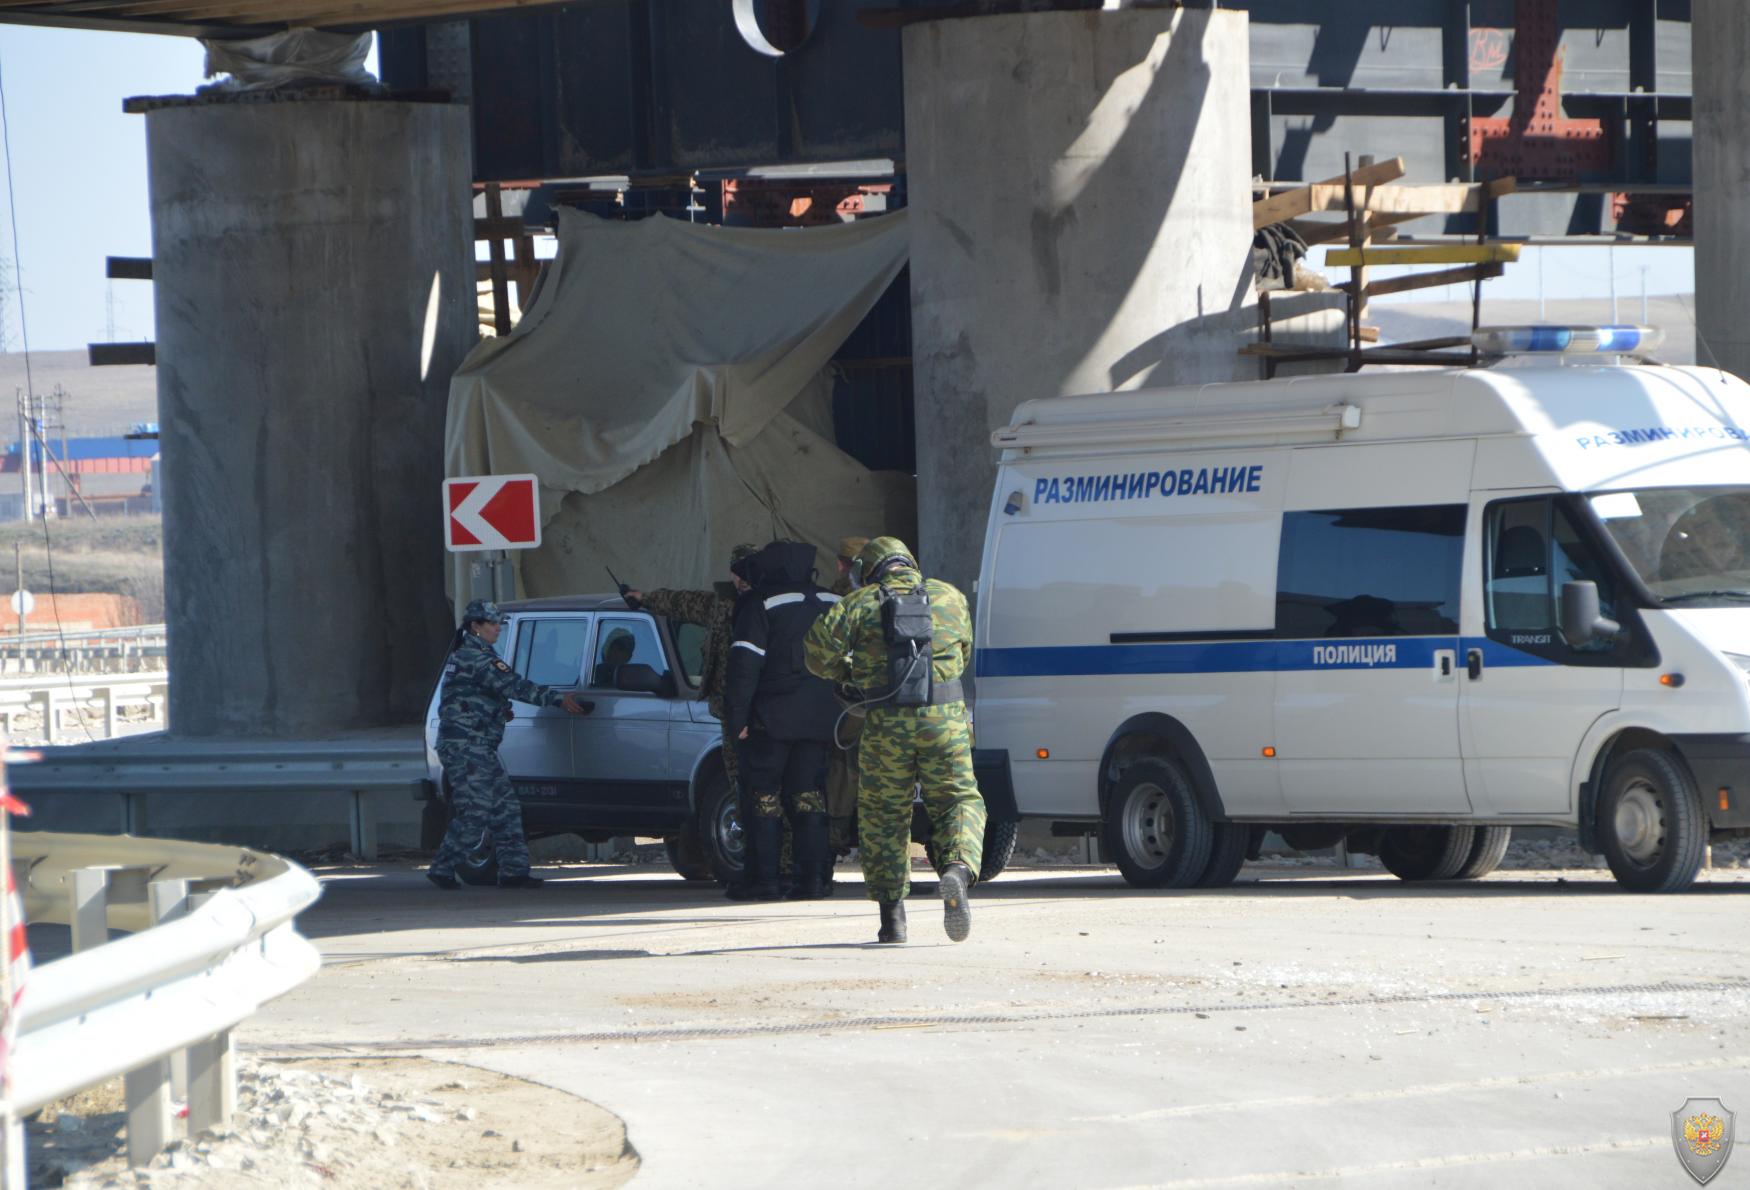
79 172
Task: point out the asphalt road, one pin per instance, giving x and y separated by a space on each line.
1299 1029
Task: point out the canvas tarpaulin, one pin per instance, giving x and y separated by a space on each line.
669 386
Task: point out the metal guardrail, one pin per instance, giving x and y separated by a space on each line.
212 941
364 764
96 650
46 696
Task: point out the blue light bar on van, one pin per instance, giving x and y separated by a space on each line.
1567 340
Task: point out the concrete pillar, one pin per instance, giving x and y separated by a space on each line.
1720 40
314 276
1081 222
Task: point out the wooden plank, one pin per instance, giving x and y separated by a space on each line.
495 252
1447 198
1321 231
1291 203
128 268
1463 275
106 354
1423 254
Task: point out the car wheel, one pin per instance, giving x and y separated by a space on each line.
717 823
1486 852
1426 852
1227 855
434 820
686 851
999 848
1154 829
1650 822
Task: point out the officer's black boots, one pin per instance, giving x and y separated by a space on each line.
447 883
892 922
523 881
813 857
956 909
764 836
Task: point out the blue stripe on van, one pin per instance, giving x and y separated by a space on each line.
1240 656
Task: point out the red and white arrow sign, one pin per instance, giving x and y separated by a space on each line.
492 512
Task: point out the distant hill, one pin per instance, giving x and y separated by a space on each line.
99 400
1402 322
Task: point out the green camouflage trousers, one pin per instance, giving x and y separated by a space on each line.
900 749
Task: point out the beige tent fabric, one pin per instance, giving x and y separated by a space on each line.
669 387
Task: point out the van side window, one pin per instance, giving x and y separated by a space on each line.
1370 572
550 652
1531 548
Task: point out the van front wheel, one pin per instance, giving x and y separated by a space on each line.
1650 822
1154 829
1426 852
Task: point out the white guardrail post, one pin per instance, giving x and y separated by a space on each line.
166 994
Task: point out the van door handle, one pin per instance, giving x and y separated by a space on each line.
1446 665
1473 663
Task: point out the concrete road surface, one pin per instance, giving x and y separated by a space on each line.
1298 1029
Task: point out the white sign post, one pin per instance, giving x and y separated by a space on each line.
490 514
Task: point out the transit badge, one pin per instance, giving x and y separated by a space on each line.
1701 1130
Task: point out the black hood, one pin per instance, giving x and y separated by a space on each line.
780 564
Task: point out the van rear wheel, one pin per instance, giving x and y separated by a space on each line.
1486 852
1227 855
1154 829
1426 852
1650 822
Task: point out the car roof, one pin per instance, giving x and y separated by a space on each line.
566 603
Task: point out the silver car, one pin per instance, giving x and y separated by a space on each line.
646 758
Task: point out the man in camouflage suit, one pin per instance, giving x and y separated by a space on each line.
903 747
841 768
477 692
713 610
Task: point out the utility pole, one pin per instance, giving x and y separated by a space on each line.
25 442
18 567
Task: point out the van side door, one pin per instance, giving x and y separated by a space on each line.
1368 587
1528 697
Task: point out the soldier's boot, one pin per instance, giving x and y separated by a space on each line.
447 883
956 908
813 857
763 837
523 881
892 922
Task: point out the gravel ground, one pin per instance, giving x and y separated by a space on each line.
385 1124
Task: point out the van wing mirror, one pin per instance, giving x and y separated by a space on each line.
642 679
1581 622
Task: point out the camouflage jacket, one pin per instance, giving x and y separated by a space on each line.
713 610
846 645
478 689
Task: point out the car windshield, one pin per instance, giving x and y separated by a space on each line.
1691 546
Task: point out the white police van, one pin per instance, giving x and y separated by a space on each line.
1406 610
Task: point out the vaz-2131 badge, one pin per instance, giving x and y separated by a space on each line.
1702 1132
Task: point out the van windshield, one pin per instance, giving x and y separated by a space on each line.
1691 546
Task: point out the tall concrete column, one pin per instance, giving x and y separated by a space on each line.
1079 185
314 276
1720 41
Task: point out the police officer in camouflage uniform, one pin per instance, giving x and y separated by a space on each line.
713 610
903 747
477 691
